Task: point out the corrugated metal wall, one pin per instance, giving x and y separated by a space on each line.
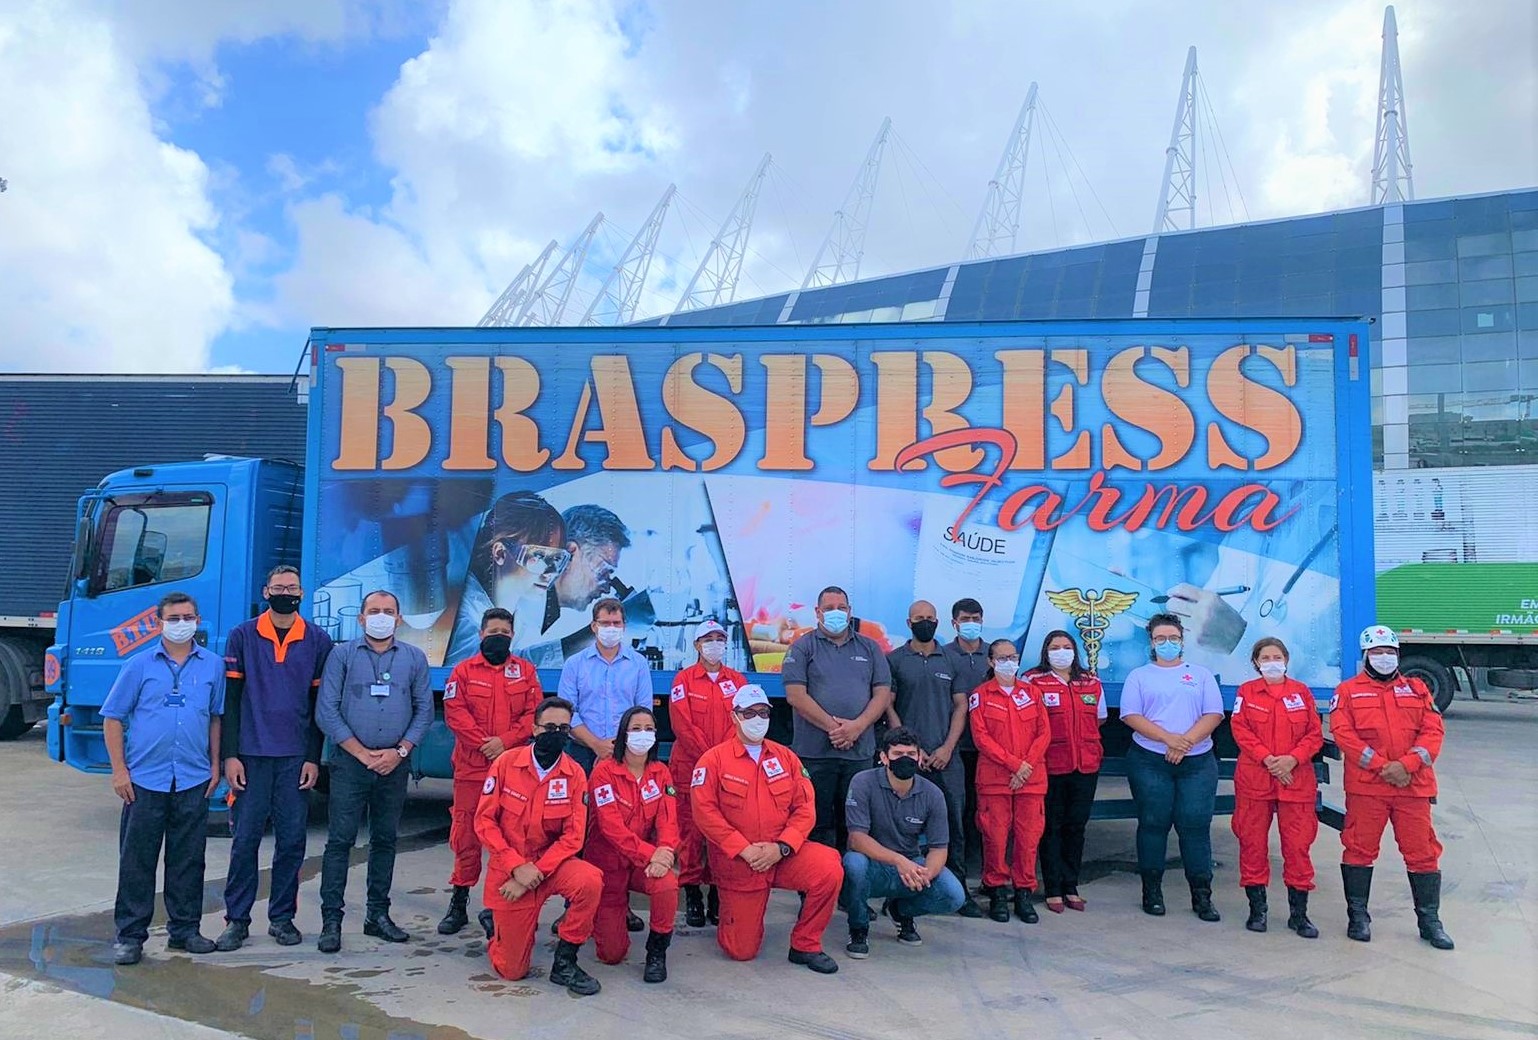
60 436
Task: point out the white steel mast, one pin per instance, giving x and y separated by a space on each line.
998 224
838 259
617 301
715 281
546 304
1177 193
1392 178
510 304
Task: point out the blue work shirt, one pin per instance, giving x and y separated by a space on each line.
166 710
602 690
1172 699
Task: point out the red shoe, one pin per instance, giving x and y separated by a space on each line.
1055 904
1074 903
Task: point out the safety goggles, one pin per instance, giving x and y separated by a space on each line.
541 559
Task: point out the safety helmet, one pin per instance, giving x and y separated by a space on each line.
1379 635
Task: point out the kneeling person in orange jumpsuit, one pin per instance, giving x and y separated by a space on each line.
754 803
1389 732
1277 728
633 839
533 818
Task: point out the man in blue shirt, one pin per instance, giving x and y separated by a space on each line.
604 681
161 725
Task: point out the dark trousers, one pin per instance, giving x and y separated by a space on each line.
354 790
272 793
974 836
1070 796
178 822
952 782
830 782
1182 795
583 756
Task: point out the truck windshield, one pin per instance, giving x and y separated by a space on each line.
149 539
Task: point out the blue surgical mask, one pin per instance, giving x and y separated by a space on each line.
970 630
835 621
1167 650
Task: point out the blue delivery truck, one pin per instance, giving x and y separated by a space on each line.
1079 475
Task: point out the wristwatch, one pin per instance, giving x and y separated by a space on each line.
400 749
785 849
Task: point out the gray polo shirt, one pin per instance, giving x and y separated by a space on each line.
893 821
840 678
922 685
967 671
348 705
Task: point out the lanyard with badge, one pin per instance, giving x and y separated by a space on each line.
176 698
380 687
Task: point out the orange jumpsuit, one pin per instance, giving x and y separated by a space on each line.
1275 720
630 820
1375 723
481 701
700 710
523 818
1010 728
739 802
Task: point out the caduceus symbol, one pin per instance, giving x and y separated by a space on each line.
1092 613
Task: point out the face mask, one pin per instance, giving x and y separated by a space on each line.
1060 658
640 741
755 730
711 652
1273 669
548 748
1006 669
904 768
970 630
1384 664
379 626
178 631
283 604
497 648
610 635
1167 651
835 621
923 631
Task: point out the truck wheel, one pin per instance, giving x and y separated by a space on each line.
1513 678
12 726
15 687
1437 677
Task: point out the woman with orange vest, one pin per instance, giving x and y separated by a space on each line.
1011 731
1075 707
1276 725
633 838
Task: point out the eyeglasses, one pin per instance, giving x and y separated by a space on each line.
556 727
1001 660
760 712
542 559
178 617
284 590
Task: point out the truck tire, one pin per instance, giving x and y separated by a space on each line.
1437 677
1513 678
15 687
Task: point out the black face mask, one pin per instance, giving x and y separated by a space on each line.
923 631
283 604
548 748
904 768
497 648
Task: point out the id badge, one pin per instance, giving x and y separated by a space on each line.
379 689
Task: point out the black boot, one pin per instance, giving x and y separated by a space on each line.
657 957
713 905
1257 918
1427 892
694 906
488 923
998 903
633 922
564 971
1201 899
458 916
1297 914
1153 892
1358 884
1024 908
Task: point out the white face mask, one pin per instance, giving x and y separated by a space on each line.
178 631
379 626
755 730
1060 658
1006 669
640 741
1384 664
610 635
1273 669
711 651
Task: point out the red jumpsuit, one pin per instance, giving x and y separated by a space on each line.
481 701
700 710
739 802
1376 723
525 819
630 821
1275 720
1010 728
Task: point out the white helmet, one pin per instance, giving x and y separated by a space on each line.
1379 635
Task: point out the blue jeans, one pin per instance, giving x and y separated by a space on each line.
1182 795
272 792
865 878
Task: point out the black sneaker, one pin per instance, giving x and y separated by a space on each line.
126 953
970 908
194 943
858 945
285 933
233 937
330 940
907 934
818 961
